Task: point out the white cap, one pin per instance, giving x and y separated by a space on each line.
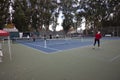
98 32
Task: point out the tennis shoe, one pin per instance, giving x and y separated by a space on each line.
93 47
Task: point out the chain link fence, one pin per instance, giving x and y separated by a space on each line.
110 31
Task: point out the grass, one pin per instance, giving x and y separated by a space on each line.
75 64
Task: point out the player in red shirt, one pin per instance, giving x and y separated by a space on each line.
97 39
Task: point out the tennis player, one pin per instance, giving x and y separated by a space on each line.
98 36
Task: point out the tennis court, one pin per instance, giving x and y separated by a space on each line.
79 63
54 45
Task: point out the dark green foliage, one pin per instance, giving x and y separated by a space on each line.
4 15
36 13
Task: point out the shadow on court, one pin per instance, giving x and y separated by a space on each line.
81 63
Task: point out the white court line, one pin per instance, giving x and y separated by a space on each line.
44 47
58 43
114 58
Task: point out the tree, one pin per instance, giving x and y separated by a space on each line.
21 16
67 8
4 12
44 12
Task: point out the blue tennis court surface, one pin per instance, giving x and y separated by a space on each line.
54 45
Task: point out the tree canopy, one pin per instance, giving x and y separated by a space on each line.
36 13
4 12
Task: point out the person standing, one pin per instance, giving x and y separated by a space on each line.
1 54
98 36
33 37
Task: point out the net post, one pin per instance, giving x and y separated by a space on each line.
45 43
